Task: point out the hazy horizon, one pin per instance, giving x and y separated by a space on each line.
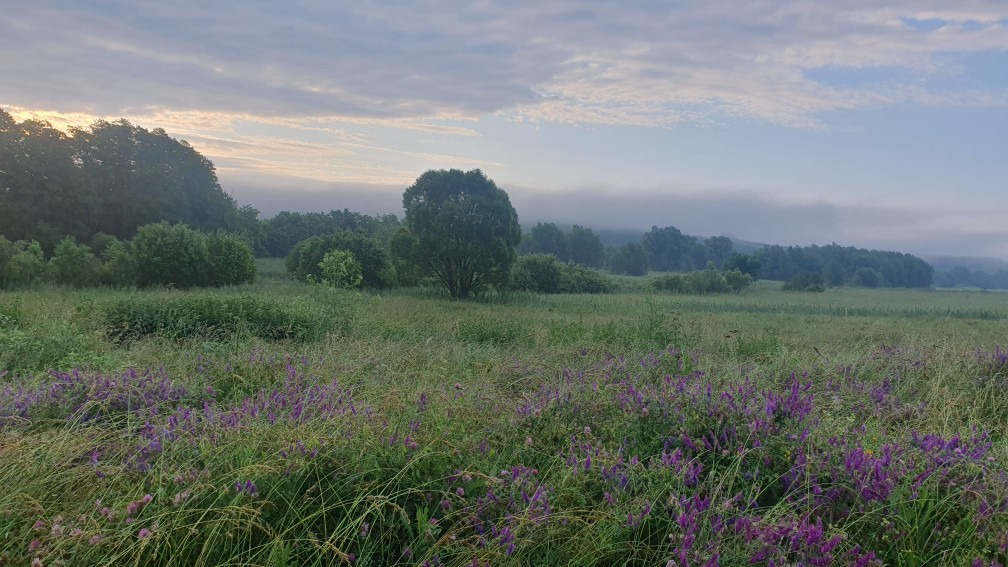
877 125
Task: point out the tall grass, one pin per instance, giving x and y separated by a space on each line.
625 429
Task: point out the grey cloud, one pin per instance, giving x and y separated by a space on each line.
589 60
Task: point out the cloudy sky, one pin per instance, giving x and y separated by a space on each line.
865 122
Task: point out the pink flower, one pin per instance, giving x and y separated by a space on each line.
36 562
34 545
95 539
39 525
144 533
528 441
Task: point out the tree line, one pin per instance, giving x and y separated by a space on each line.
106 181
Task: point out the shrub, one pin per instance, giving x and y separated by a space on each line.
74 264
207 316
707 281
100 241
538 273
737 280
170 255
118 268
675 283
812 282
231 260
22 263
341 270
576 278
376 268
703 282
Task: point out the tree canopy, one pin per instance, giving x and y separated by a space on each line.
465 229
110 178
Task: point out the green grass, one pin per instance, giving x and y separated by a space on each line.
367 477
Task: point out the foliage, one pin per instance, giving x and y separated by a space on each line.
702 282
377 270
206 316
340 270
628 258
110 178
736 280
577 278
585 247
744 263
231 260
465 228
22 263
719 250
74 264
962 276
118 268
170 255
545 238
675 283
840 265
538 273
282 232
668 249
805 282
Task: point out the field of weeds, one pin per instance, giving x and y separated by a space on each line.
281 424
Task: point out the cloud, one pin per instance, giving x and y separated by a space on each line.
596 61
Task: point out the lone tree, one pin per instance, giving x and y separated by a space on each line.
464 229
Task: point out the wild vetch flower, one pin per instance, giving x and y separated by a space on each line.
248 488
144 533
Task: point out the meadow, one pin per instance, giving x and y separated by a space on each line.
299 425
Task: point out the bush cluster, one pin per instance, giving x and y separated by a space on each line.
703 282
305 260
805 282
207 316
159 255
544 273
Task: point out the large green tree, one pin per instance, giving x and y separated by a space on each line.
465 229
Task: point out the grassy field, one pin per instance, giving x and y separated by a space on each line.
851 427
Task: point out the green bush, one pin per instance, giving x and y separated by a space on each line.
341 270
22 263
707 281
74 264
206 316
702 282
376 268
805 282
231 260
100 241
118 268
538 273
737 280
576 278
170 255
675 283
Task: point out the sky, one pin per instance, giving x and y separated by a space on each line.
872 123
